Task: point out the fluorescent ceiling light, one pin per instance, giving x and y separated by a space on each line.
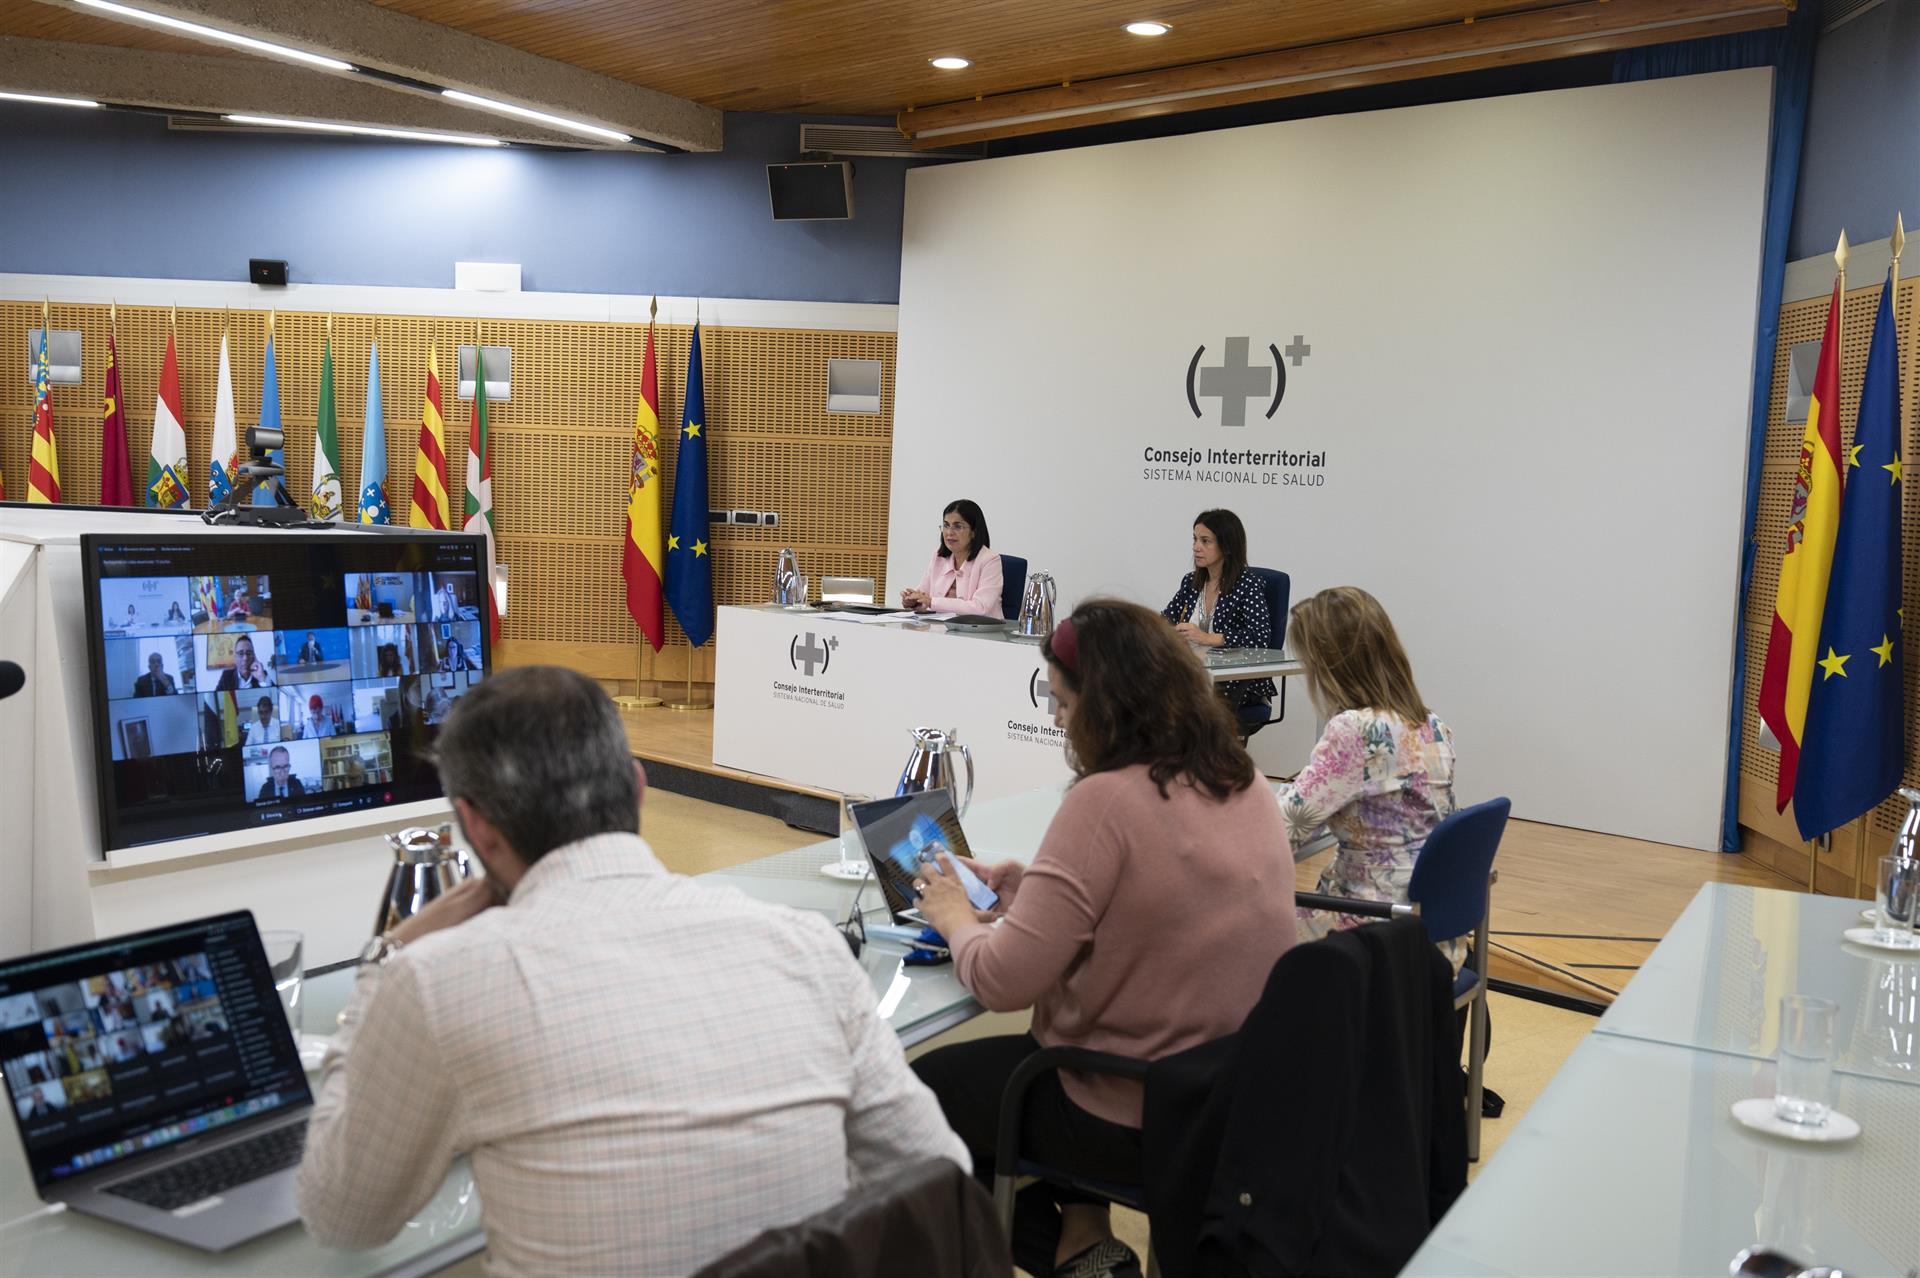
951 64
557 121
366 130
1148 28
213 33
36 97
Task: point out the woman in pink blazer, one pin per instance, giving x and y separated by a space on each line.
964 575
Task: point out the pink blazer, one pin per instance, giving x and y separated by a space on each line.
979 584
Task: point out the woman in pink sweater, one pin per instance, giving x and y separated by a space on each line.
1148 922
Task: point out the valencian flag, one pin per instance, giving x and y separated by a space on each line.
479 503
430 461
1813 518
324 502
689 566
641 555
116 476
167 464
43 466
274 491
223 467
1854 748
373 450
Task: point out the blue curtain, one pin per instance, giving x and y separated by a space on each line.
1789 51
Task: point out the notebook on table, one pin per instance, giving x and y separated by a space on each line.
155 1081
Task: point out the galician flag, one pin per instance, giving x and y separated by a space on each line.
223 467
373 450
430 508
167 467
116 476
1813 520
43 466
642 558
274 491
479 506
324 504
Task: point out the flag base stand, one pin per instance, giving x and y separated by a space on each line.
636 703
689 705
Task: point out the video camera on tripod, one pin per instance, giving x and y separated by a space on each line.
237 508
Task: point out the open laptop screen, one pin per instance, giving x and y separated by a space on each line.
117 1047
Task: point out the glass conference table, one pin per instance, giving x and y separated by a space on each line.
1631 1163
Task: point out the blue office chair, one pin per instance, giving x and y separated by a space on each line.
1278 587
1013 583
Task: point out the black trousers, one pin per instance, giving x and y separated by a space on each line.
969 1078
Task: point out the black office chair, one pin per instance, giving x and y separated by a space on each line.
1278 588
1013 583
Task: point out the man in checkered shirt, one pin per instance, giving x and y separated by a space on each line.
644 1069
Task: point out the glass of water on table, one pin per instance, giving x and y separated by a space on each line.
1803 1085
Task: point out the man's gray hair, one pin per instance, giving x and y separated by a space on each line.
540 752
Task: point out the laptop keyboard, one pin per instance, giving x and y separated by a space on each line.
216 1171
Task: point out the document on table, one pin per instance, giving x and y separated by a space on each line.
869 619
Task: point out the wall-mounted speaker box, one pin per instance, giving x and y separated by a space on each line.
811 192
261 270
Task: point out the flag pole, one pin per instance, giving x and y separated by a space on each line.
1840 254
640 700
687 702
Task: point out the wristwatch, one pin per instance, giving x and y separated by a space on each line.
377 951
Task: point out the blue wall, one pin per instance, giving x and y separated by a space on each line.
1860 164
116 193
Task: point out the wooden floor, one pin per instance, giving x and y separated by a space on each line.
1573 911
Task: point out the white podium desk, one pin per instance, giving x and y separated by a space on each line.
802 697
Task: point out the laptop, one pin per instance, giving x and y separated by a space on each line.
902 836
154 1080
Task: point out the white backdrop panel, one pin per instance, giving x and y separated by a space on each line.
1521 422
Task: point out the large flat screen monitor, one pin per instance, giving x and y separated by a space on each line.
243 681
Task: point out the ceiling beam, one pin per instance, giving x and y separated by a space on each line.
435 56
242 86
1596 26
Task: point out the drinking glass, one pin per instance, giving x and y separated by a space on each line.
1896 901
285 951
852 865
1803 1082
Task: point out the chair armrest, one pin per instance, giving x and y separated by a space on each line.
1013 1101
1350 905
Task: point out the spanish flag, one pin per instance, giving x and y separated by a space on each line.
430 462
43 465
1813 521
641 557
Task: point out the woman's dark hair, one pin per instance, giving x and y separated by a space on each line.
1140 696
976 520
1231 536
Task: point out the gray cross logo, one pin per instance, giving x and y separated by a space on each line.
1040 686
1299 350
1235 382
812 653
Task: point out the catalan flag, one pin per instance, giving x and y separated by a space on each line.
1853 750
116 477
373 450
430 508
167 463
641 556
689 565
479 499
43 467
1813 519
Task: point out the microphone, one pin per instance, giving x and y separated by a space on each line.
12 679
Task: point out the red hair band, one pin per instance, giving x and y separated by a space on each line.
1065 646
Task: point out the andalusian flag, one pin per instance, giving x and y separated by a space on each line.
689 565
273 492
324 504
1813 519
167 466
430 508
223 467
1854 745
641 556
479 505
116 476
43 467
373 450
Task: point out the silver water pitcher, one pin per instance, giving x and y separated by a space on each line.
1906 844
1036 606
930 766
426 866
789 587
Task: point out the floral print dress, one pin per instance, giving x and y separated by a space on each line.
1379 784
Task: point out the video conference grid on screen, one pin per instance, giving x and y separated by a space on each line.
246 681
113 1049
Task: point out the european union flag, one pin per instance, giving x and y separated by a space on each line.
1854 747
689 565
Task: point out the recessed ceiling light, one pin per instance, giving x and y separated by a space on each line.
198 31
36 97
367 130
951 63
1148 28
557 121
